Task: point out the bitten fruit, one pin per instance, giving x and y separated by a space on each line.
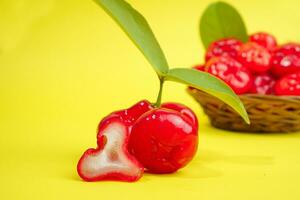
165 139
111 159
231 72
288 85
224 47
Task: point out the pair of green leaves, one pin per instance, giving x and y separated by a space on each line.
139 31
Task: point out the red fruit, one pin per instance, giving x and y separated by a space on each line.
223 47
111 159
263 84
231 72
199 67
254 57
130 115
264 39
164 140
288 85
183 110
286 60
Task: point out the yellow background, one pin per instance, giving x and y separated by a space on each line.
65 64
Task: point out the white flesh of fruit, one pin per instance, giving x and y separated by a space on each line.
112 157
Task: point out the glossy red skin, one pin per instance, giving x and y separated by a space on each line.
266 40
127 118
254 57
288 85
130 115
286 60
263 84
224 47
163 140
231 72
183 110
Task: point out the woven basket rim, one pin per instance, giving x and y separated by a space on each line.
267 113
271 96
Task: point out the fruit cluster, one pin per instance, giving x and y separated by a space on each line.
257 66
158 139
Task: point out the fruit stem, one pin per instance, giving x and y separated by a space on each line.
161 84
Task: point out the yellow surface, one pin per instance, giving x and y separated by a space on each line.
65 64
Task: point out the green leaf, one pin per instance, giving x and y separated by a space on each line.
138 30
221 20
209 84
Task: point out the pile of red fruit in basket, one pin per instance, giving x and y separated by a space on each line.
259 66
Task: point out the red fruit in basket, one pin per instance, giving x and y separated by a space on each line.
231 72
199 67
165 139
223 47
286 59
254 57
288 85
263 84
264 39
111 159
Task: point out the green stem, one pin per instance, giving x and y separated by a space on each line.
161 84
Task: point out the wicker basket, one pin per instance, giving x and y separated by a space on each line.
267 113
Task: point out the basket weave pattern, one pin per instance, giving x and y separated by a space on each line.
267 113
